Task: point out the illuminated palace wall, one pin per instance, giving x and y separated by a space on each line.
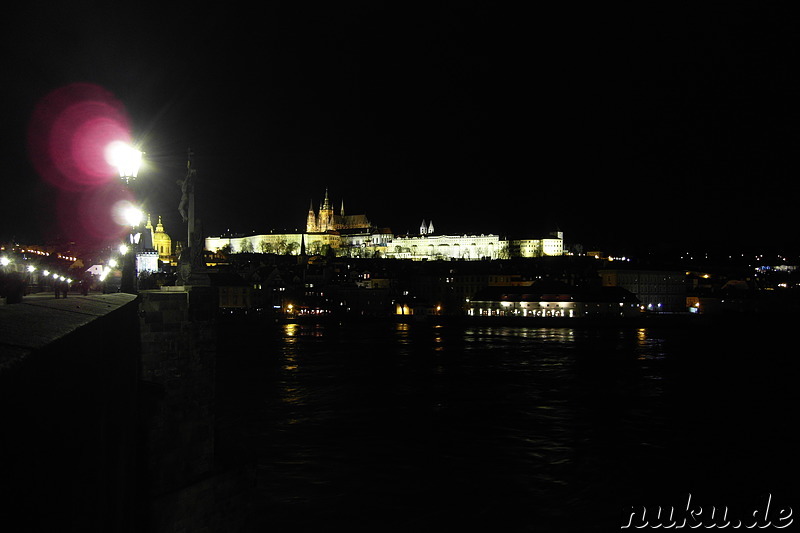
467 247
278 243
537 247
416 247
355 236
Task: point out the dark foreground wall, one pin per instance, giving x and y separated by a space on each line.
187 485
68 390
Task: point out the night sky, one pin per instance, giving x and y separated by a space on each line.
672 126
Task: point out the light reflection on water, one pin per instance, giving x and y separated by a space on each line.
490 411
402 426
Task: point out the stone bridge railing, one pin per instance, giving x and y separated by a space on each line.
68 394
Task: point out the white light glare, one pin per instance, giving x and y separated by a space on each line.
125 158
133 216
126 214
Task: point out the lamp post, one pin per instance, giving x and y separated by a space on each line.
128 160
133 218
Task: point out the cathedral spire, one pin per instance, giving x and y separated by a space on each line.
325 217
311 220
326 204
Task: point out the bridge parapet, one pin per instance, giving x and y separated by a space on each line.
68 388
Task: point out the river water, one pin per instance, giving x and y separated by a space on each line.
380 426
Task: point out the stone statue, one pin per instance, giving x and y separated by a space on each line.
191 263
187 189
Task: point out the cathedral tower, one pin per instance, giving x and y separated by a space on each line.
325 218
311 221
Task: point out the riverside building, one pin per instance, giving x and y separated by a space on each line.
539 301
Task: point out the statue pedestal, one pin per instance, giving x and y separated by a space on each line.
188 275
182 473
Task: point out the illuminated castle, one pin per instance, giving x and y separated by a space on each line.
327 220
354 236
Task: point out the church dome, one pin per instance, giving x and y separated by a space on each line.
162 242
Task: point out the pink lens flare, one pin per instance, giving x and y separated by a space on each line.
69 132
91 215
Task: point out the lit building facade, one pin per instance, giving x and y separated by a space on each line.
447 247
549 246
277 243
147 261
527 302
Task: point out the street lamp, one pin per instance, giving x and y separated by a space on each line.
126 159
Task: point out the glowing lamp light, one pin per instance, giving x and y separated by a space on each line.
123 249
125 158
133 216
125 213
5 261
